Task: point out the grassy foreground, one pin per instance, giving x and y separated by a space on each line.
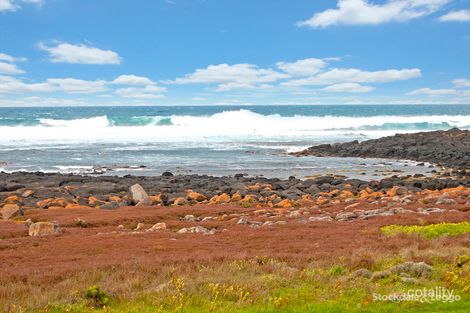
252 285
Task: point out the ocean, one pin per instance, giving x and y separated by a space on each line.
213 140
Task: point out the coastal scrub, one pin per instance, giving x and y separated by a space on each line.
428 231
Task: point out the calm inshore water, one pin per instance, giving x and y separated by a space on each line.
215 140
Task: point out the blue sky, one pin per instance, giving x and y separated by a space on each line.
171 52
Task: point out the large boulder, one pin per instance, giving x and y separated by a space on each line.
44 229
10 210
139 196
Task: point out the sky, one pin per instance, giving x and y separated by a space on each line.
234 52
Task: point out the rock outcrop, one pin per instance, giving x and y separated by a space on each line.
449 148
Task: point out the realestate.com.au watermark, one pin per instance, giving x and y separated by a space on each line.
424 295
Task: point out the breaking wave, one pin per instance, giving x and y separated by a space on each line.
228 124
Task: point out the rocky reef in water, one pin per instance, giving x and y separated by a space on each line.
449 148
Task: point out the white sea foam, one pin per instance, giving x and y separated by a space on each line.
240 125
94 122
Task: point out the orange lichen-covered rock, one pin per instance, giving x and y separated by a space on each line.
273 197
286 204
334 192
94 201
346 194
392 192
259 187
196 196
236 196
221 199
376 194
27 193
158 199
52 202
10 210
322 200
255 187
179 201
115 198
12 199
70 188
249 199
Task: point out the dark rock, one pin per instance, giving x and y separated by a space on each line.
110 206
448 148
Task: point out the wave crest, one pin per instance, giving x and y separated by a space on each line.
94 122
228 125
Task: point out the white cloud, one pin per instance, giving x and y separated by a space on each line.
7 5
305 72
198 99
149 92
352 75
132 80
228 77
363 12
304 67
461 82
432 92
10 84
39 101
7 65
37 2
9 68
6 57
13 5
236 86
80 54
72 85
456 16
348 87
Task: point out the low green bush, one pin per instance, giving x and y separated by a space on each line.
96 297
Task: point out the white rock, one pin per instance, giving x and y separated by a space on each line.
138 195
158 226
44 229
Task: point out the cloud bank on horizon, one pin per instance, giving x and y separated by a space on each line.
198 52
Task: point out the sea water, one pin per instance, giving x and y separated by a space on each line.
214 140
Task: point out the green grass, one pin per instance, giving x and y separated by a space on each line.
347 303
252 285
429 231
313 290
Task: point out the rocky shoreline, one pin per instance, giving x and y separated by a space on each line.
449 148
323 198
20 192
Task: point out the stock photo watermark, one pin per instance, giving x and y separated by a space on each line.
423 295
